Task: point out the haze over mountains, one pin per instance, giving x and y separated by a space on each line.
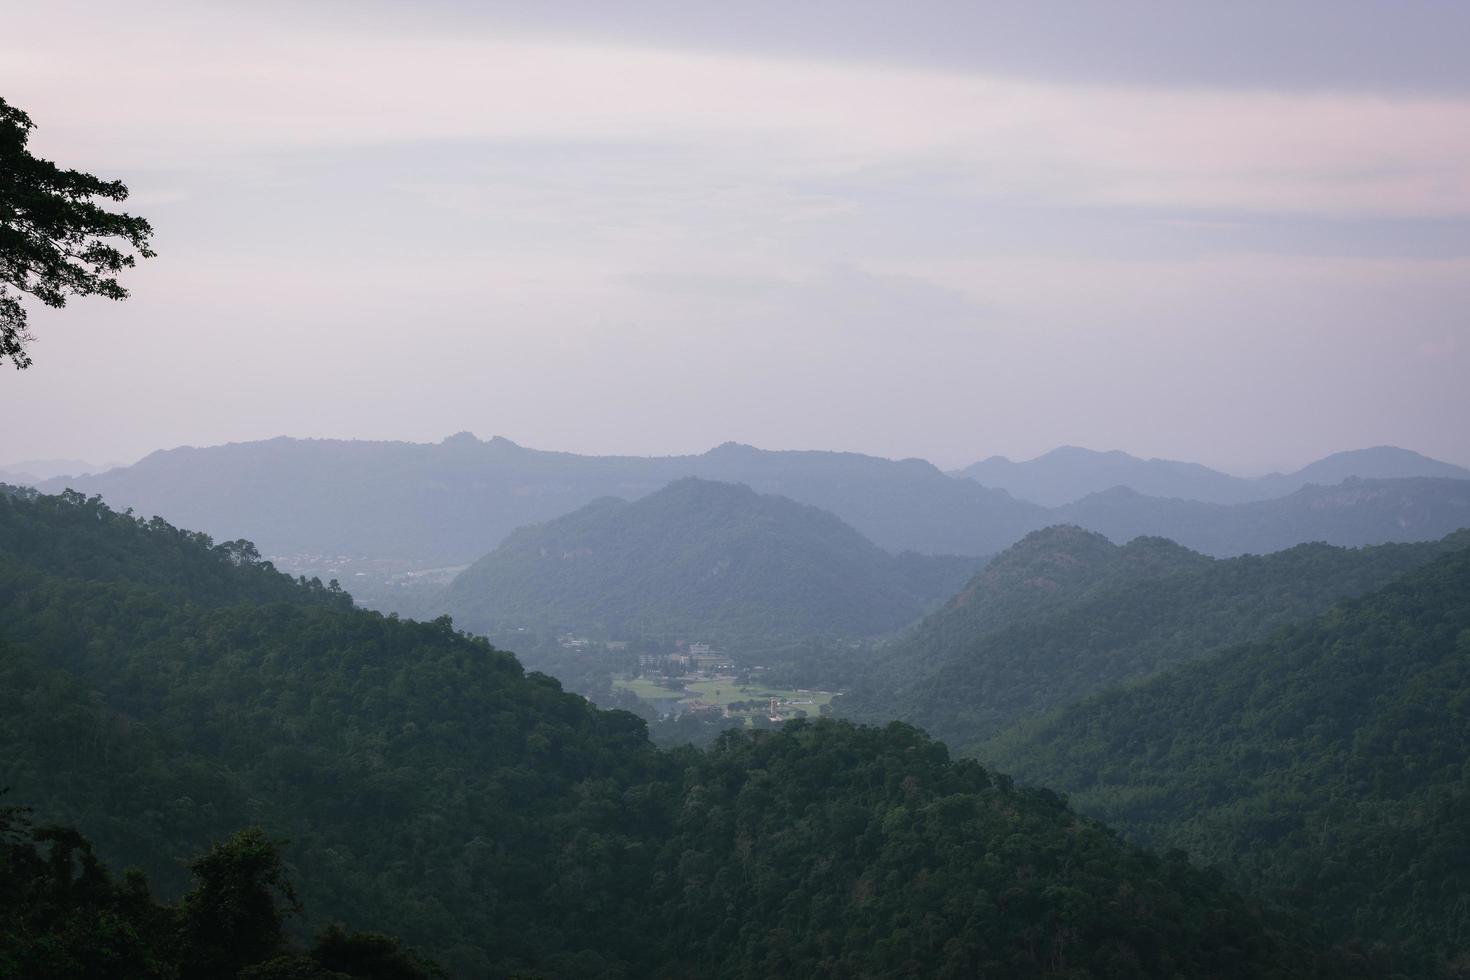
701 560
1069 473
35 470
452 502
1351 514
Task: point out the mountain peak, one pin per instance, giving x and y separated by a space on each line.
697 558
1083 453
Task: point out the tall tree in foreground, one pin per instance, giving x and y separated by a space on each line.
56 240
63 916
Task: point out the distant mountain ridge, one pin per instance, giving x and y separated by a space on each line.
452 502
700 560
1069 473
29 471
1351 514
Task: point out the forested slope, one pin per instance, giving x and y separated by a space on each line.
433 790
1066 614
1326 766
701 560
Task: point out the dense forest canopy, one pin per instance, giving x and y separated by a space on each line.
1065 614
1325 767
433 790
64 916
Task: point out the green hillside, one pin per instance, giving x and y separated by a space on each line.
1065 614
700 560
1325 766
431 789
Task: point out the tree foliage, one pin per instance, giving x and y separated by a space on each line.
434 790
63 916
56 239
1066 614
1324 768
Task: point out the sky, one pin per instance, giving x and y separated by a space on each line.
1237 234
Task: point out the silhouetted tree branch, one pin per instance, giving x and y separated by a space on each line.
56 241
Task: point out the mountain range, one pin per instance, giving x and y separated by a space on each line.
452 502
1069 473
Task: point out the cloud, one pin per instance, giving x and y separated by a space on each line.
613 243
197 86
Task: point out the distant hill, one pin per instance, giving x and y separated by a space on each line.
1378 463
1353 513
32 471
453 501
700 560
1325 766
1066 613
1069 473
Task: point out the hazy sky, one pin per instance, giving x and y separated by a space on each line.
1237 234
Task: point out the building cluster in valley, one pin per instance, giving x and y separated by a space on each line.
700 680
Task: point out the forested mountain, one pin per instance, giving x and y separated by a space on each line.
431 789
456 500
1066 613
1069 473
1352 513
1325 766
700 560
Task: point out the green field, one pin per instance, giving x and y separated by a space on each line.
723 692
648 690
